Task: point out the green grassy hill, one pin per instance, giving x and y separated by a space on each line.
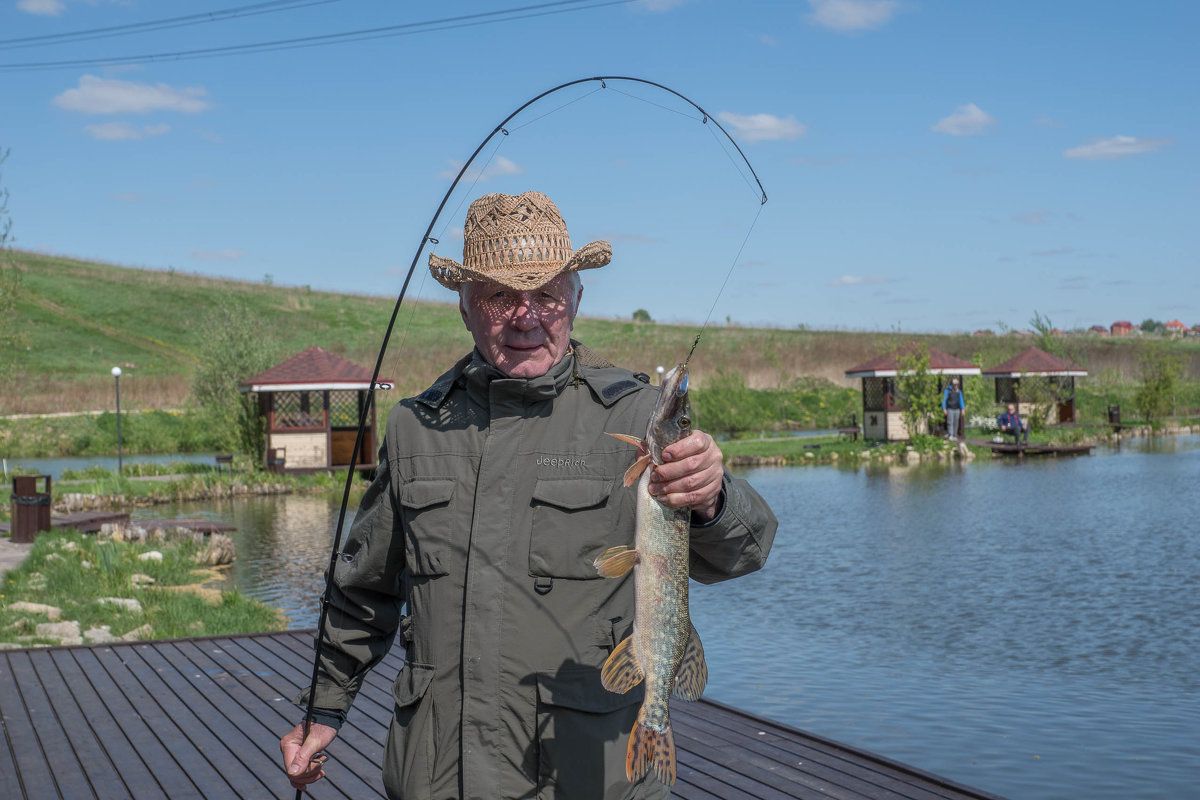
82 317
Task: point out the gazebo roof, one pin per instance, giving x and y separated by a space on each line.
887 365
1033 361
315 369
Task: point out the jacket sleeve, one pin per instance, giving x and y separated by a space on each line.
737 540
365 599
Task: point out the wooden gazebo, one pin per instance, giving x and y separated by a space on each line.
312 403
1034 365
883 408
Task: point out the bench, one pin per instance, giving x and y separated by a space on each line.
225 460
850 431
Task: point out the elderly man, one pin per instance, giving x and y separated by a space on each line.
1011 424
497 487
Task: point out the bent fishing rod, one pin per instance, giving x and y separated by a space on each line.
427 238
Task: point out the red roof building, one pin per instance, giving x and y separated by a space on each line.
1036 365
1121 328
1176 328
883 408
312 404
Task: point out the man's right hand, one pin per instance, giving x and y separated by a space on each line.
303 757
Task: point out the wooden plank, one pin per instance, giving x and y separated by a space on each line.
184 736
236 678
29 764
66 774
145 766
204 725
99 769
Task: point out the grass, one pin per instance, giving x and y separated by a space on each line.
72 571
83 317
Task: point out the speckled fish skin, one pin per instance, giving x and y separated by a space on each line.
662 625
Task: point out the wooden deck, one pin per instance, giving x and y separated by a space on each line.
1009 449
200 719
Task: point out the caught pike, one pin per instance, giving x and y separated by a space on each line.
664 649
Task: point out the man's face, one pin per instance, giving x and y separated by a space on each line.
521 333
1012 409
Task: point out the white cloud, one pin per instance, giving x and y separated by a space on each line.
1039 217
216 255
762 127
109 96
968 120
1045 121
860 280
847 16
124 132
46 8
1115 147
499 167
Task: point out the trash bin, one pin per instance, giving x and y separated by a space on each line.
30 508
1114 415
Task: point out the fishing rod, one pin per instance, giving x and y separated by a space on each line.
427 238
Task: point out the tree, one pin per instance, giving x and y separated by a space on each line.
1161 372
11 337
1045 338
235 348
1151 325
642 315
919 389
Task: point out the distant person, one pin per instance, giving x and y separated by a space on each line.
952 407
1012 424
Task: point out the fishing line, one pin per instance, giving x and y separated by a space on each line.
367 410
729 155
729 274
683 114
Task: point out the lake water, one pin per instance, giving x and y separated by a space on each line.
1029 627
54 467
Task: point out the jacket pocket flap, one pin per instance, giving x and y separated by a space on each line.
423 493
572 493
411 683
581 690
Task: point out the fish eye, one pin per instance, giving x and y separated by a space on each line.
685 422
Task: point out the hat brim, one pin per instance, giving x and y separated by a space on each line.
521 275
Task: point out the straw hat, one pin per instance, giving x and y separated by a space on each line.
519 241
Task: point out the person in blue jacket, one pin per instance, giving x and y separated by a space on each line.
1012 425
952 407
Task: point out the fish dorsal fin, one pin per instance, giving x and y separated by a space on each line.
615 561
693 671
621 671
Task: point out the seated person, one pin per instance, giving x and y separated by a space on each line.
1012 424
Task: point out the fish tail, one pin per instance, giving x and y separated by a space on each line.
650 749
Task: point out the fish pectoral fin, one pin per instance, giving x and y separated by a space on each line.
650 749
636 441
621 671
636 469
615 561
693 670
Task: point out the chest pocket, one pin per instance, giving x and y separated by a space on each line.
573 521
428 525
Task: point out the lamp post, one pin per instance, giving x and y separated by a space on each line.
116 373
660 372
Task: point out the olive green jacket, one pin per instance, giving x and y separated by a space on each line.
492 498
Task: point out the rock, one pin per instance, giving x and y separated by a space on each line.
141 579
21 624
833 456
124 603
809 455
217 552
68 632
100 635
150 555
85 564
52 613
196 627
138 634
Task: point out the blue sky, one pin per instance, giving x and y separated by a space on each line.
930 165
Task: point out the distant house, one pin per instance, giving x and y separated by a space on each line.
1023 333
1176 328
983 332
1058 332
1196 330
1122 328
1099 330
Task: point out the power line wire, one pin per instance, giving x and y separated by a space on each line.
366 34
220 15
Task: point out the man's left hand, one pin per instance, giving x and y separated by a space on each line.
691 475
